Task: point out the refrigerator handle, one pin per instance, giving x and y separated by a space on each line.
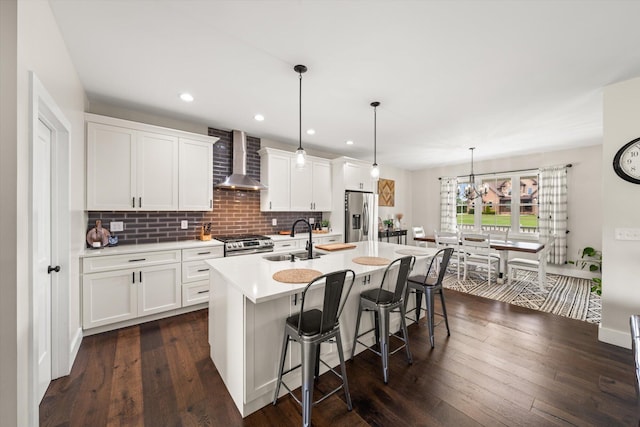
365 220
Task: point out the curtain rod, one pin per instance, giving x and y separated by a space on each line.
568 165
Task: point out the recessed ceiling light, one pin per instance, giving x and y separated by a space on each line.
349 142
259 117
186 97
311 132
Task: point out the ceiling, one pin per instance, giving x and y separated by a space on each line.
509 78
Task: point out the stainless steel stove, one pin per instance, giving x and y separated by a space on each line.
245 244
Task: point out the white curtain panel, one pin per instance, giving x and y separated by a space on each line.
448 193
553 211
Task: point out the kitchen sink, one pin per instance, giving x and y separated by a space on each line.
301 255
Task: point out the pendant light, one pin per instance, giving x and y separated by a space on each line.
375 170
471 192
300 153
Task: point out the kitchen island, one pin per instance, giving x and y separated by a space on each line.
247 310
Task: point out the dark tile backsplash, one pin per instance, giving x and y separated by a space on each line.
234 211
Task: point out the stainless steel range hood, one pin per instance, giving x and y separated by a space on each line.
239 180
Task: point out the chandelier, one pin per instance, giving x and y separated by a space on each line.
472 192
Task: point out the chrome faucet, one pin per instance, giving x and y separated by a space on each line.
309 243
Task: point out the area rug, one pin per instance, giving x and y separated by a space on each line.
562 295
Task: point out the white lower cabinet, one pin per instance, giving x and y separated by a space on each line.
123 294
124 287
159 289
108 297
195 274
285 245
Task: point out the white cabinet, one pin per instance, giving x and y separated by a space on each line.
133 166
292 189
111 155
322 185
275 173
195 273
122 287
357 176
311 186
195 175
286 245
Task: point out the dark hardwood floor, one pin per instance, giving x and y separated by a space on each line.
502 365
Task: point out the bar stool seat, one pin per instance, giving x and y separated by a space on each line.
310 328
382 303
429 284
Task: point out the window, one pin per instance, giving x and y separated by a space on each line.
510 203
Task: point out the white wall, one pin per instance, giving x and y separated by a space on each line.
621 207
8 235
403 198
584 201
39 48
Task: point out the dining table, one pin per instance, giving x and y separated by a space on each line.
504 246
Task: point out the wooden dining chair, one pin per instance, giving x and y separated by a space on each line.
538 265
477 253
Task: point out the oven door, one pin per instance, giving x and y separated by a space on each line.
247 251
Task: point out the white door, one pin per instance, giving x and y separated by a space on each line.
42 256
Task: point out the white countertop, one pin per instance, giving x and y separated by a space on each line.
149 247
183 244
253 275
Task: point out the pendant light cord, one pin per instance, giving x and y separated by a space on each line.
300 114
375 147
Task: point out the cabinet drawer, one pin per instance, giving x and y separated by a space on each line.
136 260
193 271
195 293
286 245
331 239
202 253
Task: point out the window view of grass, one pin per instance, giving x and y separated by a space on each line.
500 220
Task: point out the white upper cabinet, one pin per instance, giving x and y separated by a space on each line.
111 159
157 172
321 187
196 177
275 173
357 176
134 166
292 189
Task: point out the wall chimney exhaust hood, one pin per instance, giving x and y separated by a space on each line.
239 180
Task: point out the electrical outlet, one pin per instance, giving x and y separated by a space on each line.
312 220
274 221
184 224
116 226
627 234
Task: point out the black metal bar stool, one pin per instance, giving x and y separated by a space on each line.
430 284
382 302
311 328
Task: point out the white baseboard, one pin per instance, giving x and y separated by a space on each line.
74 348
615 337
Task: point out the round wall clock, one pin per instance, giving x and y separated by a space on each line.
626 162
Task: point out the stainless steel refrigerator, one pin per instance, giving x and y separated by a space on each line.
360 216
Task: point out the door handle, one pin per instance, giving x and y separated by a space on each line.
50 269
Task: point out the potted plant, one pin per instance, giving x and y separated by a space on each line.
325 225
592 259
388 223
